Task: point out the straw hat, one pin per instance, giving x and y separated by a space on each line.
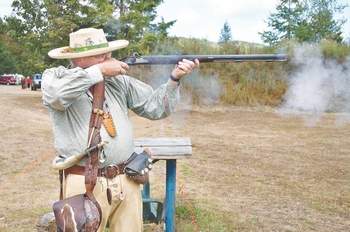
87 42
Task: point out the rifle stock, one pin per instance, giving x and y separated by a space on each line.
174 59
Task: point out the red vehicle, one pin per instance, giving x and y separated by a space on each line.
7 80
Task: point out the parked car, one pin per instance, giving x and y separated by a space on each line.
8 80
36 81
18 77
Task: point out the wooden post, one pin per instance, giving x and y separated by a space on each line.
170 195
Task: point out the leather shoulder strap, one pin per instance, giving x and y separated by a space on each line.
94 138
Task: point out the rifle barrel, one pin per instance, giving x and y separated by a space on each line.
174 59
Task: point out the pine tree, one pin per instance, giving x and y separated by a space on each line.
286 22
305 20
323 22
136 24
225 34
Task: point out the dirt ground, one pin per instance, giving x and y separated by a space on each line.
262 171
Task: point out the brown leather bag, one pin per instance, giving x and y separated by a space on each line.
82 212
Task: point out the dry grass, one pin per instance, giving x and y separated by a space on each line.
266 172
251 170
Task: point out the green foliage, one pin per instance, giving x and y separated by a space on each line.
136 24
323 21
225 34
285 22
7 64
309 20
38 26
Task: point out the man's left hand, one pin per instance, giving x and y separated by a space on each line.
184 67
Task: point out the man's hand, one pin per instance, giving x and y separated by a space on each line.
112 67
183 68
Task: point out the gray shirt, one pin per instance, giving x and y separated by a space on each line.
65 93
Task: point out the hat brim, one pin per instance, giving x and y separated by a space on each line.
61 53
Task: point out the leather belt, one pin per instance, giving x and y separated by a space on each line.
109 172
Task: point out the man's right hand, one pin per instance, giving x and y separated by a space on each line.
112 67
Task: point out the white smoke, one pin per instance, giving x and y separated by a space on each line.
316 85
207 88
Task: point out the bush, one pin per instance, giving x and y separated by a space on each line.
331 49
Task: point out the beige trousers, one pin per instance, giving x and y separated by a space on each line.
125 212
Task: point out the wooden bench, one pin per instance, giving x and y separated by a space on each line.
169 149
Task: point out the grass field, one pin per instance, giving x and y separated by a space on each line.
251 170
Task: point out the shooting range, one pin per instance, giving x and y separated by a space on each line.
254 139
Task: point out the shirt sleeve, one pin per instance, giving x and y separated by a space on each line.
149 103
62 86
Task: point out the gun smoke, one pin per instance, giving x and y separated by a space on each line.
197 88
317 85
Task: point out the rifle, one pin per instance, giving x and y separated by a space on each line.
174 59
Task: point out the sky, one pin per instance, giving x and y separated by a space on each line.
205 18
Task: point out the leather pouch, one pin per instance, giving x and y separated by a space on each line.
137 167
138 164
77 213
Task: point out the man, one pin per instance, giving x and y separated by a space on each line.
66 94
29 82
23 82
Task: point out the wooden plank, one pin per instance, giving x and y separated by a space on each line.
165 147
163 141
178 152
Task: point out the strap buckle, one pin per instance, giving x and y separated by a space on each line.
111 171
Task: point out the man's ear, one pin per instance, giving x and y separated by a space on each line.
104 57
108 55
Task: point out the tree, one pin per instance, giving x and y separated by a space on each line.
304 20
136 24
7 64
40 25
286 22
323 22
163 27
36 26
225 34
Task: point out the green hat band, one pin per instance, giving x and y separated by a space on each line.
88 48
